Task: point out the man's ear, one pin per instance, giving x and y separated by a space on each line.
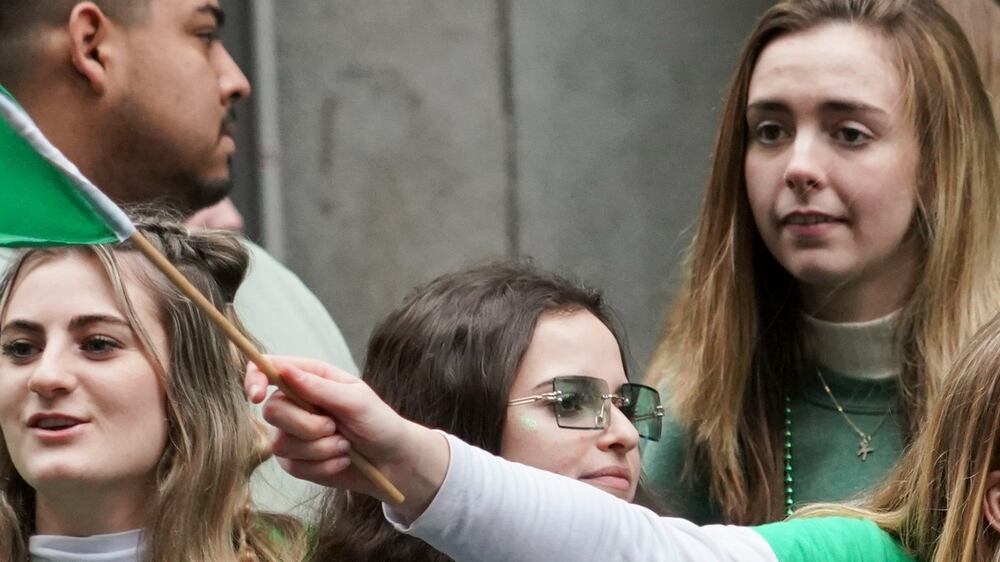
88 28
991 500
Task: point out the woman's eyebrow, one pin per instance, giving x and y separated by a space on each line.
24 326
851 106
832 106
85 321
768 106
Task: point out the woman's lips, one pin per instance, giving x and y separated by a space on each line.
55 427
615 478
810 224
53 421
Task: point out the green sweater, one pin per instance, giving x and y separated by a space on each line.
825 465
860 366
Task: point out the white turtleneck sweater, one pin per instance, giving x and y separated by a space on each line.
117 547
860 350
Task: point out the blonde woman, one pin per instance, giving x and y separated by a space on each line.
942 505
845 250
125 433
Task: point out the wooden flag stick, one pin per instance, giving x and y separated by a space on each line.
234 335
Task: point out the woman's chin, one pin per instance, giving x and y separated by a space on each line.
822 277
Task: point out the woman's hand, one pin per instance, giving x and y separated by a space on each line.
314 445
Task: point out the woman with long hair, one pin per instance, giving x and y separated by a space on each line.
845 251
126 436
942 503
510 359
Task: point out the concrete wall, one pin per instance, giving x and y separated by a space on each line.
421 135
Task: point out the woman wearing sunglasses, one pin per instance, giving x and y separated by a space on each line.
941 505
523 364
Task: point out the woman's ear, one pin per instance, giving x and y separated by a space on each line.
88 30
991 500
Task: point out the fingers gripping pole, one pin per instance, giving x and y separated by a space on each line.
177 278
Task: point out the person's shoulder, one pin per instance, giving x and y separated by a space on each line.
837 539
683 490
268 277
285 316
263 263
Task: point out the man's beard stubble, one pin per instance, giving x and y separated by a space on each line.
149 169
178 192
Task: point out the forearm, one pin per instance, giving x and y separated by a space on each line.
490 509
423 473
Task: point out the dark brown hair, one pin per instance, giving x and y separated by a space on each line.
20 21
447 359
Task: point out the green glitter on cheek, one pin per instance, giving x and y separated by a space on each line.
527 422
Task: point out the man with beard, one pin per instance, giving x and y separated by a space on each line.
139 95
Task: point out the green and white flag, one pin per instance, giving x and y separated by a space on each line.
44 199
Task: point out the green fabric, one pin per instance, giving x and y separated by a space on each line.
824 463
834 539
42 206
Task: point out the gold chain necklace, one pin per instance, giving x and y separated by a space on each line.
864 445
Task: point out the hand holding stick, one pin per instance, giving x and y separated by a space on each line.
234 335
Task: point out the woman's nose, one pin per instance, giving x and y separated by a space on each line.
620 433
51 376
806 169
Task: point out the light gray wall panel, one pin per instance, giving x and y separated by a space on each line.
393 143
400 155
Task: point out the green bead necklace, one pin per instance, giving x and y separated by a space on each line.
789 491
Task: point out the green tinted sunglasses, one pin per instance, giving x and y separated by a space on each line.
582 403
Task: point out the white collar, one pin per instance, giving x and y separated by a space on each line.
864 350
116 547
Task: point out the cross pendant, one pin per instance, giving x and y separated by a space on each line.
864 449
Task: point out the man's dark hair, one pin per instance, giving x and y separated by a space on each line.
20 21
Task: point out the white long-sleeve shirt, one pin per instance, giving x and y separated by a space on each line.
490 509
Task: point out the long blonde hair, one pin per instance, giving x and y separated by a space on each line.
201 509
733 342
934 501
